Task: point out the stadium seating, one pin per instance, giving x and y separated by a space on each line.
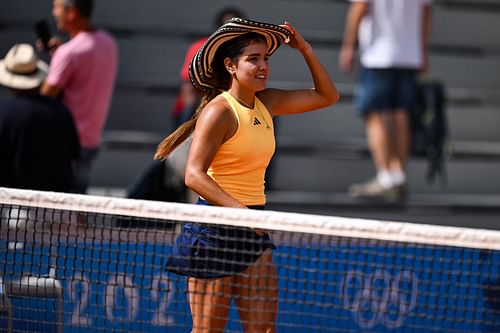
324 151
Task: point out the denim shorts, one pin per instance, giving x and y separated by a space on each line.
209 251
386 90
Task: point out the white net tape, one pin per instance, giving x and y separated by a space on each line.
268 220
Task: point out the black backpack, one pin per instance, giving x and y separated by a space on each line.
428 128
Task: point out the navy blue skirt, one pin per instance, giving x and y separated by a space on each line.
208 251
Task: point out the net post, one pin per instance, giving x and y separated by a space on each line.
5 306
42 287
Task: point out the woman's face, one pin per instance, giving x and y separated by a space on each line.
251 68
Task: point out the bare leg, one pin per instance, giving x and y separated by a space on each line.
209 300
401 139
256 296
386 138
379 140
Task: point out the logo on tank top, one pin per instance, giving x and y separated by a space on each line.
256 121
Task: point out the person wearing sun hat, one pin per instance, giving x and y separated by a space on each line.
233 142
38 138
21 69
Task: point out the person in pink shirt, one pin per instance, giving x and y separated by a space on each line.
82 73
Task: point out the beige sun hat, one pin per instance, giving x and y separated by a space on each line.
21 68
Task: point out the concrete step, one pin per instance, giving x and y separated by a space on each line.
333 174
460 209
119 168
471 167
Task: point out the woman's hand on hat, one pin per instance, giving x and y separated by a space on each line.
295 39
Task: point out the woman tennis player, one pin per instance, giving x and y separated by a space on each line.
232 145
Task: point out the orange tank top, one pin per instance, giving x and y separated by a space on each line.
240 163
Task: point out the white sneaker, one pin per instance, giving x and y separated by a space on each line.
373 190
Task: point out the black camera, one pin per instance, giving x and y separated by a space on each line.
43 33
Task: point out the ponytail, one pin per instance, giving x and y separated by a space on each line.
185 130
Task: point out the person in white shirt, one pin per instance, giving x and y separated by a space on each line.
392 36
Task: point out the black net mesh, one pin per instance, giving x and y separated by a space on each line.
71 266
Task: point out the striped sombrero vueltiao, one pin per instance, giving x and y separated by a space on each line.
200 71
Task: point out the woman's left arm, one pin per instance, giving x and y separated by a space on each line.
323 94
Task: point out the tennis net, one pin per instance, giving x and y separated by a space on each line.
78 263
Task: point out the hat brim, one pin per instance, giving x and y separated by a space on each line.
200 70
20 81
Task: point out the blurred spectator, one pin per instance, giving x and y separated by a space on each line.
82 72
392 37
188 98
38 139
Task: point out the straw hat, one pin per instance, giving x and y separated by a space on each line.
21 68
200 70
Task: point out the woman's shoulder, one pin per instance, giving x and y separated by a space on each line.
218 107
218 115
267 97
219 103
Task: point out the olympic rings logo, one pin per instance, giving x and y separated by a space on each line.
379 298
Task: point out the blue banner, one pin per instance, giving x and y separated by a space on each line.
346 286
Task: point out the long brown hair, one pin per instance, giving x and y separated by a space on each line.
222 81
